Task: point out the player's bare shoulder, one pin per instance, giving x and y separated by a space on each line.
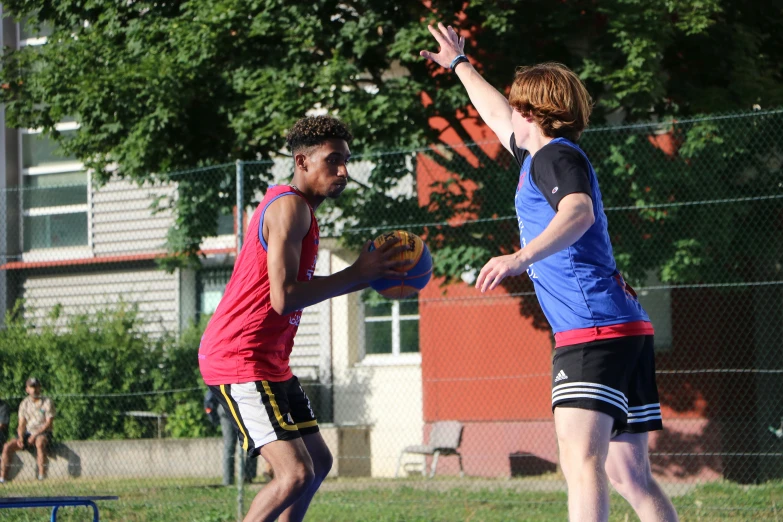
287 217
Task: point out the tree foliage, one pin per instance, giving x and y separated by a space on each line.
165 86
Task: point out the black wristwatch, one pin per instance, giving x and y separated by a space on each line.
458 60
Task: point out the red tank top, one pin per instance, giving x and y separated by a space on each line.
246 340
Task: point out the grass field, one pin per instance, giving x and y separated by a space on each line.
384 501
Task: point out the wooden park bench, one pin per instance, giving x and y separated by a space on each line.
53 502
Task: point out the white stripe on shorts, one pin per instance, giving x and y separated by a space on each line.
253 413
618 395
588 396
589 390
644 413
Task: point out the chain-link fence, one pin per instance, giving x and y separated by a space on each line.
107 287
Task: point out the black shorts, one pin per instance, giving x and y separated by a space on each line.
264 411
47 435
613 376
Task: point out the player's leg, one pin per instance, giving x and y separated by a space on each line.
304 417
322 464
262 417
588 399
628 464
628 468
251 467
293 477
583 441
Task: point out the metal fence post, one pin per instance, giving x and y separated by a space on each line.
240 467
240 208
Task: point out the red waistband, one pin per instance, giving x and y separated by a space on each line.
596 333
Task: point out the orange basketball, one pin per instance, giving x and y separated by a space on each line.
417 269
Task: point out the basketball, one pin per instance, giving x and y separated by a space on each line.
418 268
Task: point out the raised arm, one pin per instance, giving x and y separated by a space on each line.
491 105
286 223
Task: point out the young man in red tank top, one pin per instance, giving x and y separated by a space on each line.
244 353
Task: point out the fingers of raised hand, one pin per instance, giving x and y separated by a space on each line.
438 34
391 267
453 36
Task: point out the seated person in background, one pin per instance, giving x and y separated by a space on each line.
36 415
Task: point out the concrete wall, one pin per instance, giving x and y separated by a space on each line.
176 458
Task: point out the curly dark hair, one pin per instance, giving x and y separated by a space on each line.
314 130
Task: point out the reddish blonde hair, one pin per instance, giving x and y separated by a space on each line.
554 97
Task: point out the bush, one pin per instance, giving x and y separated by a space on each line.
102 365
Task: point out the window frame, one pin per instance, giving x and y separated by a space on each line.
201 280
396 357
64 167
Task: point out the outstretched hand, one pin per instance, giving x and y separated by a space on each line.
497 269
451 45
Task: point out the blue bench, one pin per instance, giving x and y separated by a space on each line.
53 502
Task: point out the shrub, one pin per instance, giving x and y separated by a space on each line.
101 365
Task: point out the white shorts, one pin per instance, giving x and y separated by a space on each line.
264 411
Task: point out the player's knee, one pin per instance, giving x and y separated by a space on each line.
579 459
323 466
591 464
632 486
298 478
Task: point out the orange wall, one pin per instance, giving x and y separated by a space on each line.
480 359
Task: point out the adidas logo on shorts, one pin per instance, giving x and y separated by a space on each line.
561 376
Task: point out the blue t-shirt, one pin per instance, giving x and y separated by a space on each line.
578 287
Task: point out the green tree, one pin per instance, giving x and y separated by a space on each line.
165 86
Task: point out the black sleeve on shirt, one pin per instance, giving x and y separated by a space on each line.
519 154
559 170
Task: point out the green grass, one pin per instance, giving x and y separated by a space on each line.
383 501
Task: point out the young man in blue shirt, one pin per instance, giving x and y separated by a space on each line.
604 395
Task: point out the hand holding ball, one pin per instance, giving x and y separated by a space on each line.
417 269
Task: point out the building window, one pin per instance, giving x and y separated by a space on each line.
210 286
225 224
391 327
55 193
